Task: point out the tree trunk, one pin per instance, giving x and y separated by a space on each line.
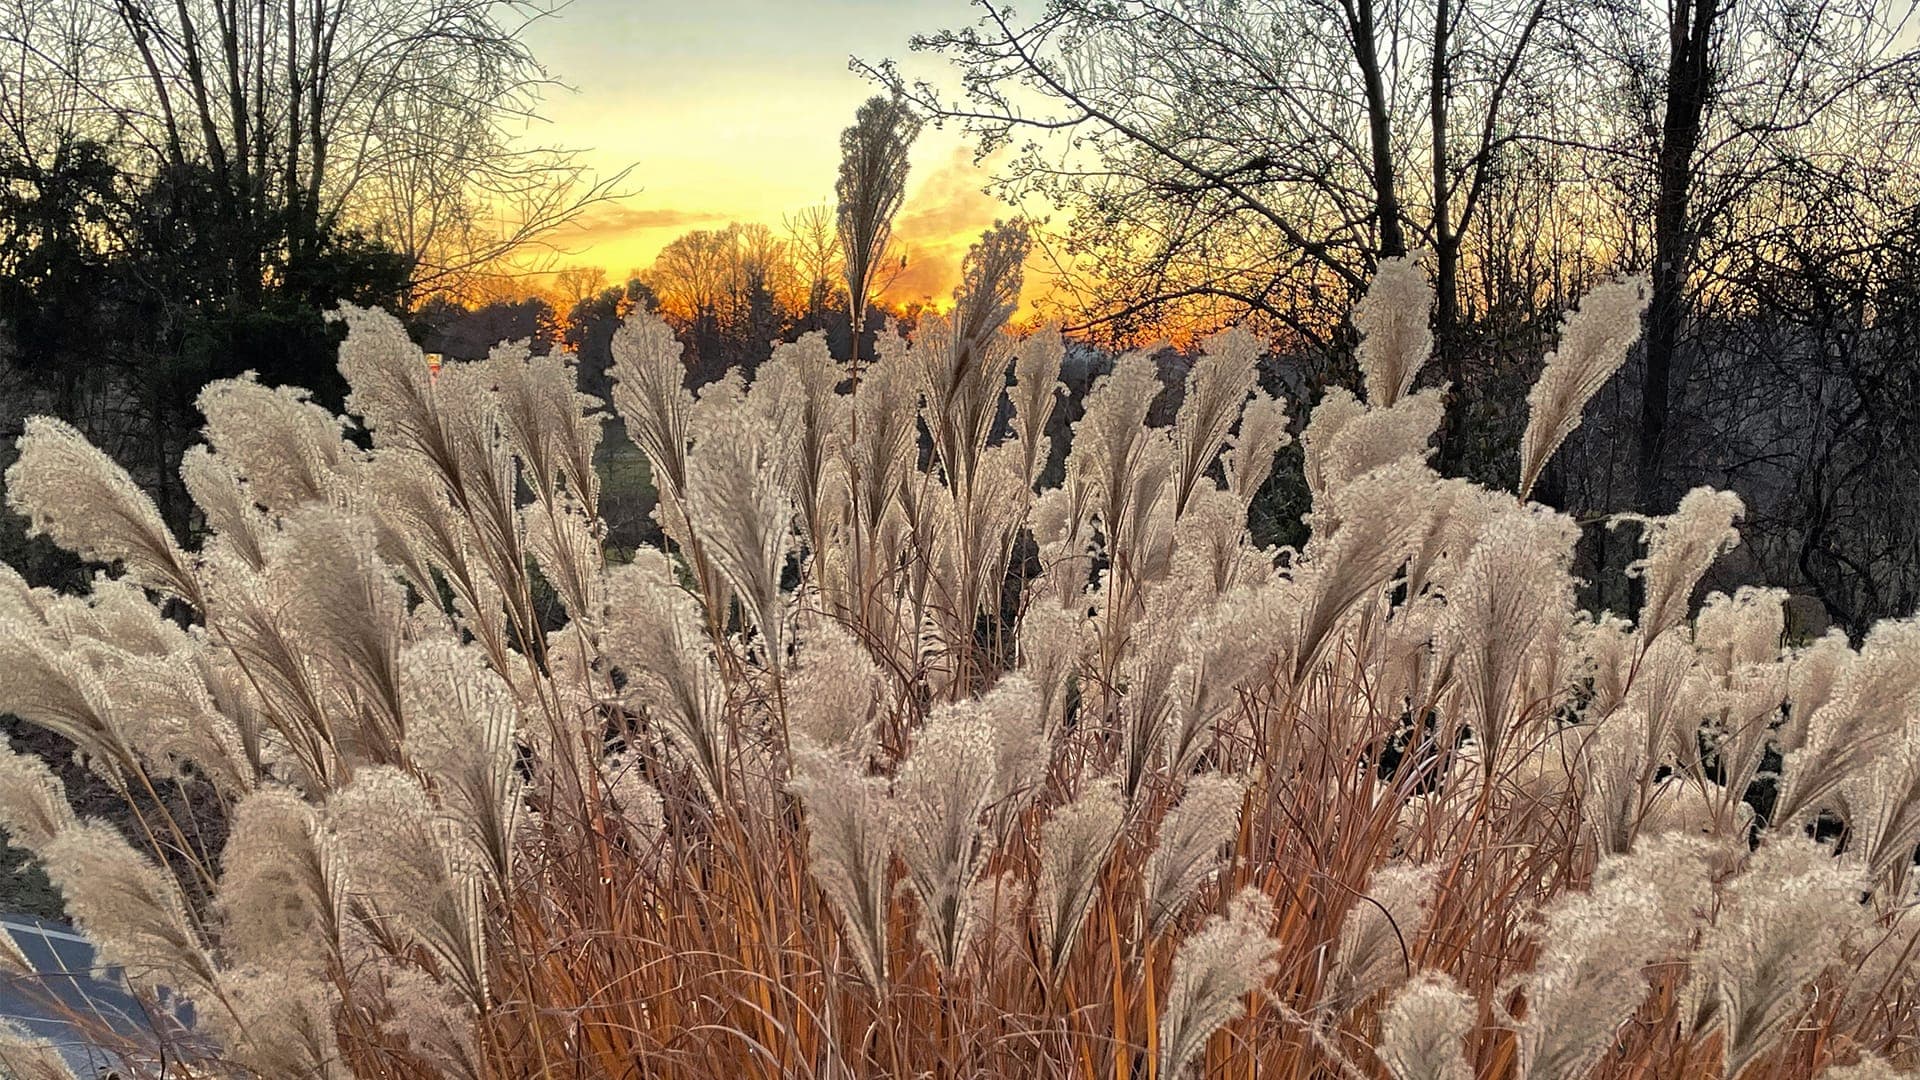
1446 248
1446 245
1689 81
1393 241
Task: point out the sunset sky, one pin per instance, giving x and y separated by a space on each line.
731 110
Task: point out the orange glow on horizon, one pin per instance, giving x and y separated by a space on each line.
945 212
731 111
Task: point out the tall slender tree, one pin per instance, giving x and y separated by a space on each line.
871 187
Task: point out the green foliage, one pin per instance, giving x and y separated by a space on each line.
1276 516
128 295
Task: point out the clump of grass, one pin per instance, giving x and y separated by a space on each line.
828 783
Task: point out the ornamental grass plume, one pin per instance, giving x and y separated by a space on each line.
849 850
649 391
1508 607
1075 843
282 885
1372 952
1111 441
1187 848
1782 923
870 189
33 802
737 507
288 449
51 687
280 1023
1261 434
1680 547
1589 976
1223 962
1395 339
660 645
1424 1029
29 1057
810 420
231 509
962 359
1338 408
1382 435
883 766
1846 707
943 791
1034 394
76 496
886 413
423 884
1216 391
836 694
1869 1067
132 909
460 732
553 428
1593 345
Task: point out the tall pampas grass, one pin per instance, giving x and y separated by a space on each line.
883 767
79 498
1395 340
1074 846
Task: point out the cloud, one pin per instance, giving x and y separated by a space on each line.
944 214
613 219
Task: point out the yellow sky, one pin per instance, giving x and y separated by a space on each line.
731 110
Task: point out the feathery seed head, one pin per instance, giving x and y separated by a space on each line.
1423 1028
1378 934
1587 978
1229 958
947 783
33 802
28 1057
132 909
1395 339
287 449
1593 345
835 693
78 497
848 849
1680 547
1262 434
1187 852
1075 844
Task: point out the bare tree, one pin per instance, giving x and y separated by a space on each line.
813 244
1703 108
402 119
1218 159
577 283
728 290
